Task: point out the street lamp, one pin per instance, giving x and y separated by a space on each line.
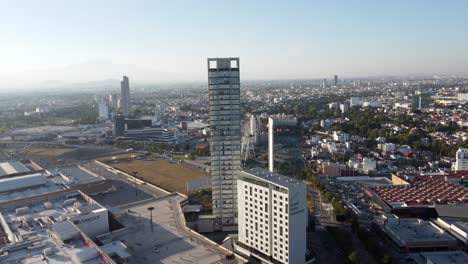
151 217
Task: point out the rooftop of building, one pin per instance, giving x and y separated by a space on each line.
55 207
30 227
423 191
75 174
174 242
28 186
452 211
460 223
366 180
410 230
274 178
283 118
25 185
458 227
12 168
443 257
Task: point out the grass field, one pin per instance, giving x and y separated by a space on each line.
169 176
48 152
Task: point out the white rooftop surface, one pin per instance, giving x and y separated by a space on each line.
61 255
116 247
21 182
28 186
195 125
76 174
456 226
415 230
174 242
274 178
12 167
28 231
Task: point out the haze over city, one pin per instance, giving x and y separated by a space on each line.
234 132
159 41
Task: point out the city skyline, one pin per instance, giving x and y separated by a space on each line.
76 42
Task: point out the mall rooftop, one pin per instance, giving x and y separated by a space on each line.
416 233
57 228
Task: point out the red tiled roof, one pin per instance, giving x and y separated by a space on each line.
425 190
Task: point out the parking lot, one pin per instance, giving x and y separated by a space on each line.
126 189
170 241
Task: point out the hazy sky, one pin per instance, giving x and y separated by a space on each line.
164 40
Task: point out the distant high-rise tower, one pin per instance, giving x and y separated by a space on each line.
421 100
113 101
125 96
324 83
253 126
285 147
335 80
225 138
103 110
119 126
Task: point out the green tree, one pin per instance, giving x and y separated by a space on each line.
353 258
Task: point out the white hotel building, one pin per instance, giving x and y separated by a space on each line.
273 216
461 163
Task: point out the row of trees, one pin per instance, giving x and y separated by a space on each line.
330 195
371 243
344 240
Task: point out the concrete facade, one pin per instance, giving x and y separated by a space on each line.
272 216
462 159
225 141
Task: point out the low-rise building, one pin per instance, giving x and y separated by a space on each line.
340 136
412 234
368 165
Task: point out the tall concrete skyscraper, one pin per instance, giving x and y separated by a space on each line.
125 96
225 138
335 80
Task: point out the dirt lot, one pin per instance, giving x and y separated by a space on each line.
129 155
162 173
48 152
